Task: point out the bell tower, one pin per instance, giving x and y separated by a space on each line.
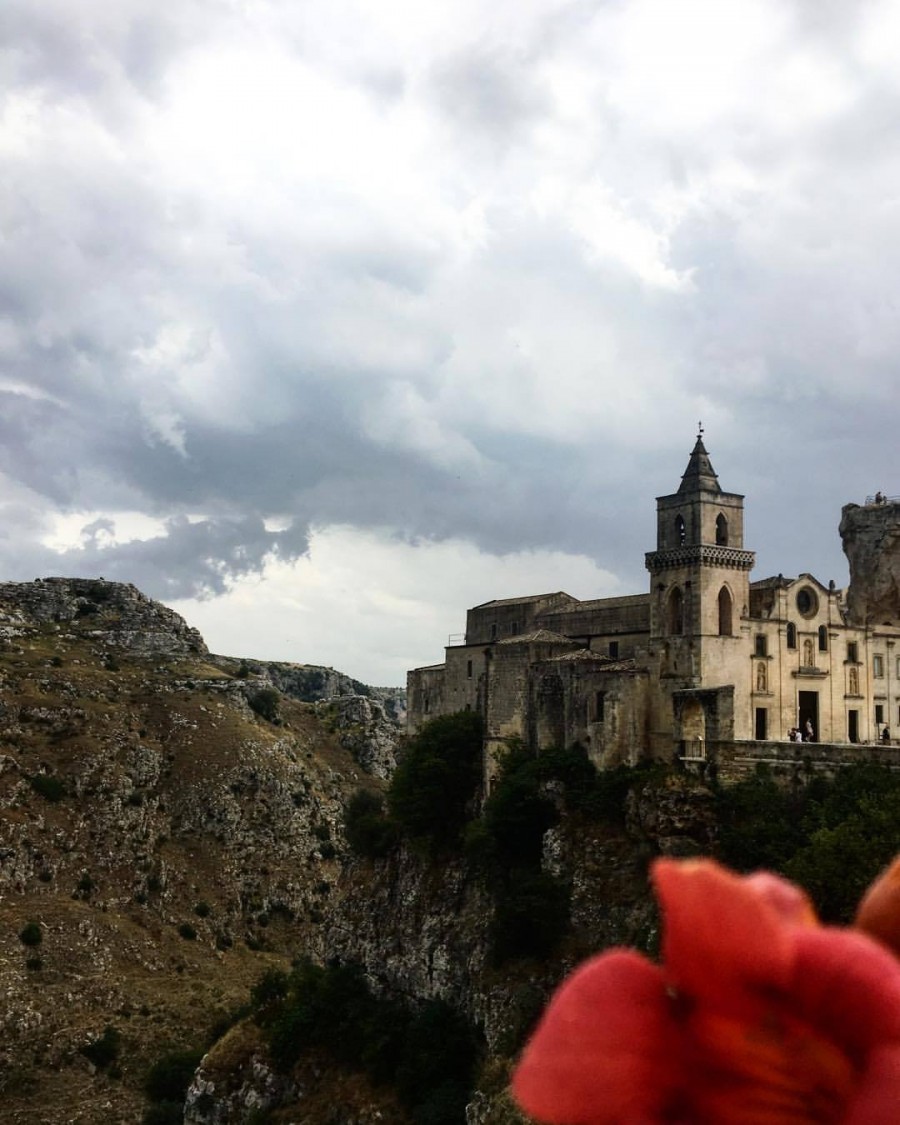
699 572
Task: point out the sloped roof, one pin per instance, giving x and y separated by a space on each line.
539 636
699 473
621 601
527 600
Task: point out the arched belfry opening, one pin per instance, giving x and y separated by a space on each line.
726 611
680 531
721 531
676 611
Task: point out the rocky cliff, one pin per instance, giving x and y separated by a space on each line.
871 541
167 831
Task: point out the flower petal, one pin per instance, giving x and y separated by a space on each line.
877 1100
879 911
725 935
848 986
788 900
607 1049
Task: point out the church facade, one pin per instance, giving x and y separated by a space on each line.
705 659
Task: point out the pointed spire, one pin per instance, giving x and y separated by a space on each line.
699 474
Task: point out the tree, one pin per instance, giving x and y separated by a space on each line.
434 786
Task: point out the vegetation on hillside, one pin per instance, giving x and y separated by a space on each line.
831 835
427 1054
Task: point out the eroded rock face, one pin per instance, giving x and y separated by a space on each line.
368 733
871 540
115 614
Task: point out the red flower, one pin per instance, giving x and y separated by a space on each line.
758 1016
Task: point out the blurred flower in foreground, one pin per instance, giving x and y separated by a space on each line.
757 1016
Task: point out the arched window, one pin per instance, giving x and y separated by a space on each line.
725 606
680 533
721 531
823 639
676 611
791 635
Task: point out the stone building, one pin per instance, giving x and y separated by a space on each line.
707 658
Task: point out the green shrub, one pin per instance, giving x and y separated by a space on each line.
50 788
438 1065
169 1077
434 787
164 1113
202 909
429 1056
516 816
105 1049
369 831
531 915
760 823
187 931
31 934
329 1008
265 703
34 964
272 985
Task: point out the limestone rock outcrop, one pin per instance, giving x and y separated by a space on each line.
114 614
365 729
871 541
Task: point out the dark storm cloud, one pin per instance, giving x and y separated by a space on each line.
518 362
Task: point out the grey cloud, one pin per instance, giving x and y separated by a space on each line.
789 339
488 93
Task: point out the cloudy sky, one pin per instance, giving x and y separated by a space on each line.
323 321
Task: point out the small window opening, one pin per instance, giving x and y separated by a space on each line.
721 531
724 613
761 645
469 669
878 666
823 639
879 713
680 533
494 631
676 611
614 650
599 707
852 651
791 635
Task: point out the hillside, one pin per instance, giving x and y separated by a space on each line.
173 829
176 875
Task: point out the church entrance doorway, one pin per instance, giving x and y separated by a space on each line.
808 711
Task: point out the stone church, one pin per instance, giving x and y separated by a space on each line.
706 661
